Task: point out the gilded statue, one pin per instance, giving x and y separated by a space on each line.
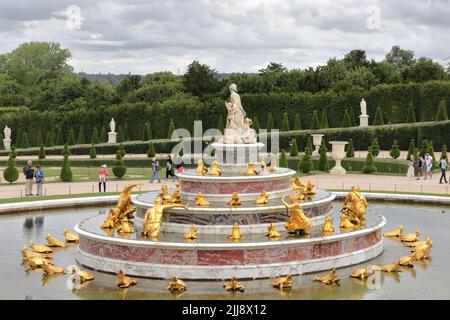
297 184
328 227
251 170
176 197
53 242
329 278
297 223
201 201
28 254
40 248
82 275
126 226
235 201
124 206
410 237
308 190
235 234
153 217
283 282
191 234
71 237
111 220
234 285
392 267
176 285
406 261
345 222
164 193
201 169
356 204
272 232
123 281
397 232
263 198
362 273
51 268
215 170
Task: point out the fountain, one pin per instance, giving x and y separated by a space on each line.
230 238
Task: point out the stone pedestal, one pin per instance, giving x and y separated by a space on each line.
338 153
7 144
234 158
112 137
363 120
317 141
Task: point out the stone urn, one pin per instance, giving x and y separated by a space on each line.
317 141
338 153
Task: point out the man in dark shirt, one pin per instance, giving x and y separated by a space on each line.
28 171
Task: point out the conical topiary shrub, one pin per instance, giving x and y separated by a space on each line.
11 174
309 146
444 152
25 142
119 169
283 160
346 122
220 124
92 152
442 114
13 152
369 166
324 120
151 150
95 138
305 165
411 117
411 148
121 150
171 129
424 148
59 140
431 152
71 138
323 160
297 122
42 152
66 171
395 150
315 121
352 117
144 135
102 137
375 148
49 141
294 148
81 137
379 121
39 139
350 149
270 124
256 125
285 124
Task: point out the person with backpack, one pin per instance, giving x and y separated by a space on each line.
443 166
28 172
156 167
169 168
39 178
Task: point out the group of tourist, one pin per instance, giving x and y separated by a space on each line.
33 175
171 170
424 167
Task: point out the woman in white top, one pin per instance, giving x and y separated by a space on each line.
410 173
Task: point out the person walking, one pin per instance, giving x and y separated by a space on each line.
102 174
410 173
28 171
429 166
169 168
420 164
156 167
443 166
39 178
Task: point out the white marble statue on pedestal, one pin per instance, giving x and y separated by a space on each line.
249 134
364 117
112 135
7 138
112 125
236 118
363 106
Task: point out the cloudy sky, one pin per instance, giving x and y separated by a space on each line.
143 36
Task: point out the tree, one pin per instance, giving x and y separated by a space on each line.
352 117
71 138
297 122
400 58
171 129
309 146
411 117
92 152
25 143
272 67
42 152
306 165
39 138
151 151
324 120
81 137
285 123
270 124
315 121
431 152
119 169
19 137
378 117
144 135
442 114
256 125
121 151
49 142
283 160
412 147
346 122
128 86
423 70
424 148
13 152
102 137
395 151
200 79
323 160
120 135
375 147
220 124
355 59
126 133
59 141
350 149
66 171
444 152
369 166
294 149
11 174
95 139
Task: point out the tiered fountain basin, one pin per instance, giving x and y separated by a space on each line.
214 257
234 158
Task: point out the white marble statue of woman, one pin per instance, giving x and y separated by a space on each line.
249 134
7 132
112 125
363 106
235 119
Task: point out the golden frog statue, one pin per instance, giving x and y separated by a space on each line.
201 169
327 227
191 234
123 281
71 237
393 267
251 170
308 190
356 204
53 242
407 261
297 184
40 248
153 217
111 220
215 170
82 275
329 278
176 197
297 223
283 282
410 237
52 269
272 233
235 234
263 199
176 285
234 200
164 193
234 285
201 201
345 222
397 232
